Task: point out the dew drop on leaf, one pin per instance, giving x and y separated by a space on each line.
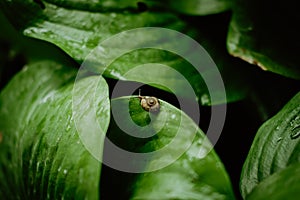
205 99
295 132
68 127
295 122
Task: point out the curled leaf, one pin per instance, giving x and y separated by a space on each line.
161 155
275 147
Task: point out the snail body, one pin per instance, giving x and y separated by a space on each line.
150 104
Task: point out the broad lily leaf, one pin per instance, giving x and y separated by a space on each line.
260 35
281 185
41 153
165 155
275 146
80 28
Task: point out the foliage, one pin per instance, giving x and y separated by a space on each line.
46 104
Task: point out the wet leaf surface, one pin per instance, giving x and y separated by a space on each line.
42 155
79 27
275 147
175 161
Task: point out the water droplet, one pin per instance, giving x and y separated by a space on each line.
295 122
295 132
68 127
173 116
65 171
199 142
202 153
277 128
279 139
205 99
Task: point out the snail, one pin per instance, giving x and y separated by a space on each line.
150 104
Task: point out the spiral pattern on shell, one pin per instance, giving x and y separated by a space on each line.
150 104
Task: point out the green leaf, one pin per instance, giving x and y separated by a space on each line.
263 37
200 7
276 146
281 185
167 155
79 28
41 154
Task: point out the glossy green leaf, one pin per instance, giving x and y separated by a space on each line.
281 185
79 27
41 153
177 161
200 7
266 34
275 146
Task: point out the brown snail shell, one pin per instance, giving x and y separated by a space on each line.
150 104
